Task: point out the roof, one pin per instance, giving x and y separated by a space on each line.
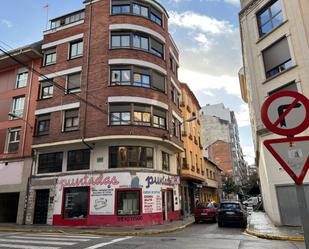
187 88
23 54
214 164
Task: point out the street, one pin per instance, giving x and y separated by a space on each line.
207 236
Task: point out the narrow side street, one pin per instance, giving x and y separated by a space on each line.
205 235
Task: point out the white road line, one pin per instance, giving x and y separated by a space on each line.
64 236
48 238
38 242
26 246
108 243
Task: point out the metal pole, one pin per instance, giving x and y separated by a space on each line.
303 211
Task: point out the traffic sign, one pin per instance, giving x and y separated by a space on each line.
292 154
286 113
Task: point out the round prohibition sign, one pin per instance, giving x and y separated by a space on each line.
286 113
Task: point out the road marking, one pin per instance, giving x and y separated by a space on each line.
108 243
48 238
38 242
64 235
26 246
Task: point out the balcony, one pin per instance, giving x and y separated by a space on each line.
190 136
185 165
184 133
193 168
195 141
198 170
182 104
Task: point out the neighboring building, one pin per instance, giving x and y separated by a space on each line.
18 91
192 166
275 47
219 128
212 187
252 170
108 126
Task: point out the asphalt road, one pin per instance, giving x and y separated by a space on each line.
206 236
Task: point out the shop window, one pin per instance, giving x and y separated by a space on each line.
71 120
78 160
21 80
76 49
75 203
165 161
277 58
73 82
50 163
130 156
128 202
47 89
170 201
43 123
50 57
13 140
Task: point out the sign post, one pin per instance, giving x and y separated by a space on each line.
287 113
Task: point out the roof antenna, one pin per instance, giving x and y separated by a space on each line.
46 7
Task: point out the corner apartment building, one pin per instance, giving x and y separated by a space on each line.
107 119
18 92
192 170
220 137
275 47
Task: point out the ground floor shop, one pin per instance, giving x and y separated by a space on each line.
209 195
190 196
106 199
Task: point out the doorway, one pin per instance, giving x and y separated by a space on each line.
164 206
41 206
8 207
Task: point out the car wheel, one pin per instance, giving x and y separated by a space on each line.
197 221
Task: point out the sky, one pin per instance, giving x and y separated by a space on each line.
205 31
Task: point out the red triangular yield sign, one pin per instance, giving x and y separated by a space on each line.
292 154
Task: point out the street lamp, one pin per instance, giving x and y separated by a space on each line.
14 115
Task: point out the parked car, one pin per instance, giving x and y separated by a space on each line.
206 212
232 212
251 202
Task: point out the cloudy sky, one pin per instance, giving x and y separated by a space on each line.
205 31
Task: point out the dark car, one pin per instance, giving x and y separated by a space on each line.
205 212
232 212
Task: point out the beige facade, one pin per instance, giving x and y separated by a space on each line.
275 57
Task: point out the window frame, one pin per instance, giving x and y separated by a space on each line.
42 118
17 131
166 165
140 201
57 169
121 82
65 120
48 53
81 165
49 85
18 112
77 55
74 89
17 85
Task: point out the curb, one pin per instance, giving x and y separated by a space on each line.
274 237
93 232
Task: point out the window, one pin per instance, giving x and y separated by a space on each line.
120 9
140 42
270 17
13 140
73 82
71 120
142 115
50 57
130 156
288 87
50 163
156 17
47 89
171 63
176 127
78 160
121 77
158 82
165 161
277 58
128 202
75 203
120 40
76 49
43 123
157 48
191 157
140 10
74 17
170 201
21 80
159 118
141 80
120 114
18 106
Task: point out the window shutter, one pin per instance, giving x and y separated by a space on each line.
158 81
141 108
156 45
74 81
277 54
71 113
120 107
159 112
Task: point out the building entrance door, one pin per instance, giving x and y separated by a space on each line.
164 206
8 207
41 206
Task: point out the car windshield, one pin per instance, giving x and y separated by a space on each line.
230 206
205 205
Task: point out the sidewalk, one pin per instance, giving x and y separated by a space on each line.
260 225
108 231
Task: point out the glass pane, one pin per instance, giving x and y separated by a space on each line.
136 9
125 41
76 203
75 122
144 11
80 48
275 8
137 79
115 41
144 43
264 17
116 10
125 9
146 117
146 80
115 116
126 117
137 116
115 76
277 20
266 28
125 75
136 41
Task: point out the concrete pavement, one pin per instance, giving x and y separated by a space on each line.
261 226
